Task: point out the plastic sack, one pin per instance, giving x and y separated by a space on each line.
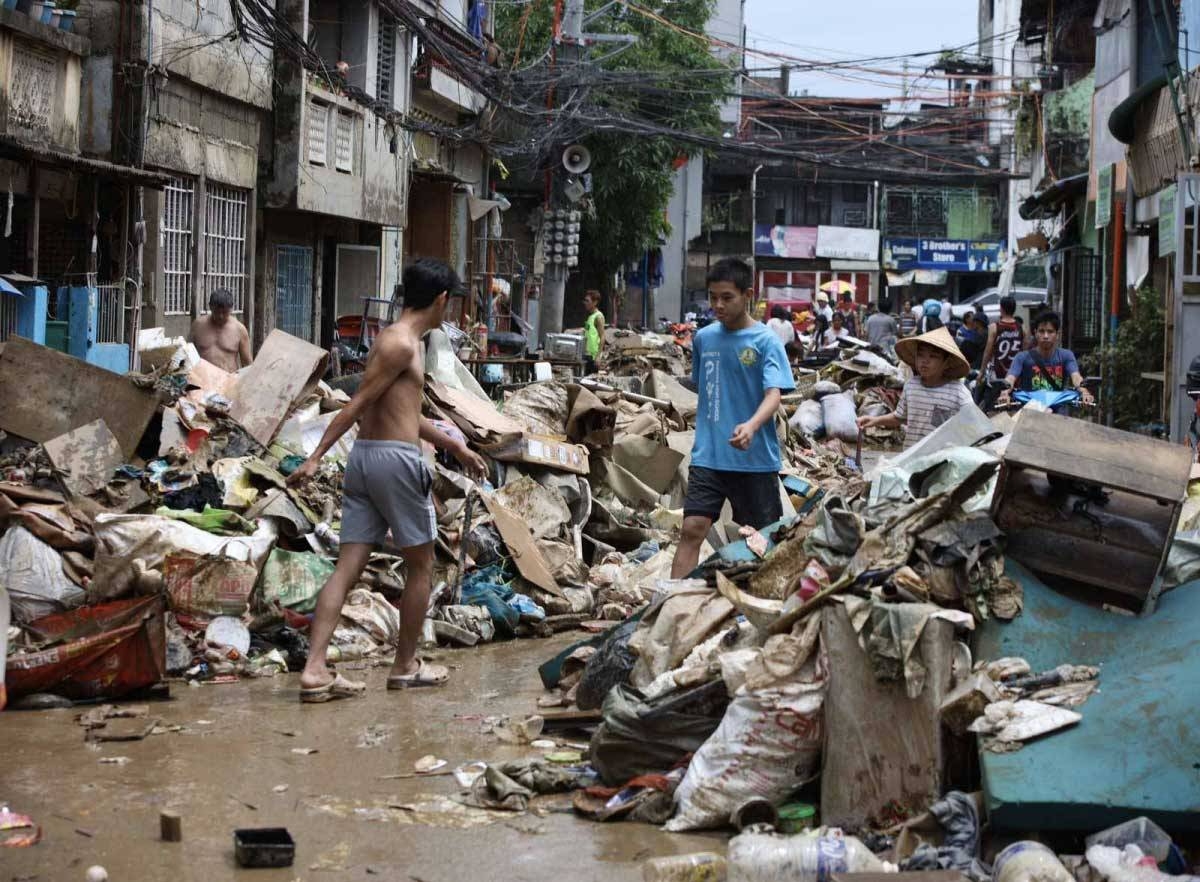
840 416
529 611
812 856
768 744
123 539
32 573
204 585
294 579
825 387
809 418
641 737
486 587
609 666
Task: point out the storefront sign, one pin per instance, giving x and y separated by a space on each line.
778 241
1166 221
848 243
1104 192
954 255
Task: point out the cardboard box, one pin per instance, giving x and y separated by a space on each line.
542 450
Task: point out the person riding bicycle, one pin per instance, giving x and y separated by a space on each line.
1046 367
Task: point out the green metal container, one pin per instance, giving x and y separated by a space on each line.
796 817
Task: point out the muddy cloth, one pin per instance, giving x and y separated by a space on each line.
837 535
639 737
495 790
890 635
960 849
673 627
969 547
542 776
609 666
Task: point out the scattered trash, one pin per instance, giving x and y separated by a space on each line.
702 867
428 763
170 826
96 873
18 831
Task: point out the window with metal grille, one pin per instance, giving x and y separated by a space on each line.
9 304
385 63
318 133
344 143
225 243
175 242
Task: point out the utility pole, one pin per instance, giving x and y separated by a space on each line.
554 287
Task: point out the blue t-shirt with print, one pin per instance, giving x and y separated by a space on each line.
732 371
1037 374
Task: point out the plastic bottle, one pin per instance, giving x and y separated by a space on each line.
814 856
705 866
1029 862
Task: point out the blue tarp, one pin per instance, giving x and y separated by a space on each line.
1137 749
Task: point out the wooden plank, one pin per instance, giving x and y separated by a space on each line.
44 394
881 747
85 457
1092 563
285 369
1100 455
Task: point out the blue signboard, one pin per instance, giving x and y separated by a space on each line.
956 255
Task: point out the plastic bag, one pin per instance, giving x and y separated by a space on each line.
841 418
32 573
768 744
294 579
809 418
1123 865
812 856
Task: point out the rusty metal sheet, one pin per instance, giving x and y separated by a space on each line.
44 394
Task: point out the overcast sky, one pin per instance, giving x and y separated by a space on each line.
840 29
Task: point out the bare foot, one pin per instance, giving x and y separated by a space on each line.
400 669
315 679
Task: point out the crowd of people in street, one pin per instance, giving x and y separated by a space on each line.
955 360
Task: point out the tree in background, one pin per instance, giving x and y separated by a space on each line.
666 76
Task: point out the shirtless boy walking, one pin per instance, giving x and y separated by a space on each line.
219 337
387 485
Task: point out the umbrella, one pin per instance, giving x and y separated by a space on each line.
837 286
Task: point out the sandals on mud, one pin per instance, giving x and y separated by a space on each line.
338 687
425 675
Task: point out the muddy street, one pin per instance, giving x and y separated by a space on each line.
241 744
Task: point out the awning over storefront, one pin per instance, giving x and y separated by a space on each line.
12 148
1122 122
1047 201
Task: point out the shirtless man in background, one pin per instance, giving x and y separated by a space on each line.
219 337
387 485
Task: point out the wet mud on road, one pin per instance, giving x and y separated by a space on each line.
242 759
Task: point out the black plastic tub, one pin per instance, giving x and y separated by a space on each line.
264 847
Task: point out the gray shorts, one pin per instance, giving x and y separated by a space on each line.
387 484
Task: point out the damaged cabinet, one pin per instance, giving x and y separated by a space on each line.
1090 503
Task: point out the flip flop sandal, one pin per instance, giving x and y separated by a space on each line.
338 687
425 675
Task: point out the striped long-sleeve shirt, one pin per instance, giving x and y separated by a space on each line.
924 408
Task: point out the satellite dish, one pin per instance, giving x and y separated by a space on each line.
577 159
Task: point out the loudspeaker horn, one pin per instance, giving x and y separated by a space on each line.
577 159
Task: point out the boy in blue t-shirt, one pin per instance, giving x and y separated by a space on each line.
740 370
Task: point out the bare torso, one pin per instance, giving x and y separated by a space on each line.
220 344
395 415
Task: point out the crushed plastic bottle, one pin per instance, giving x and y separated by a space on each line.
705 866
758 855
